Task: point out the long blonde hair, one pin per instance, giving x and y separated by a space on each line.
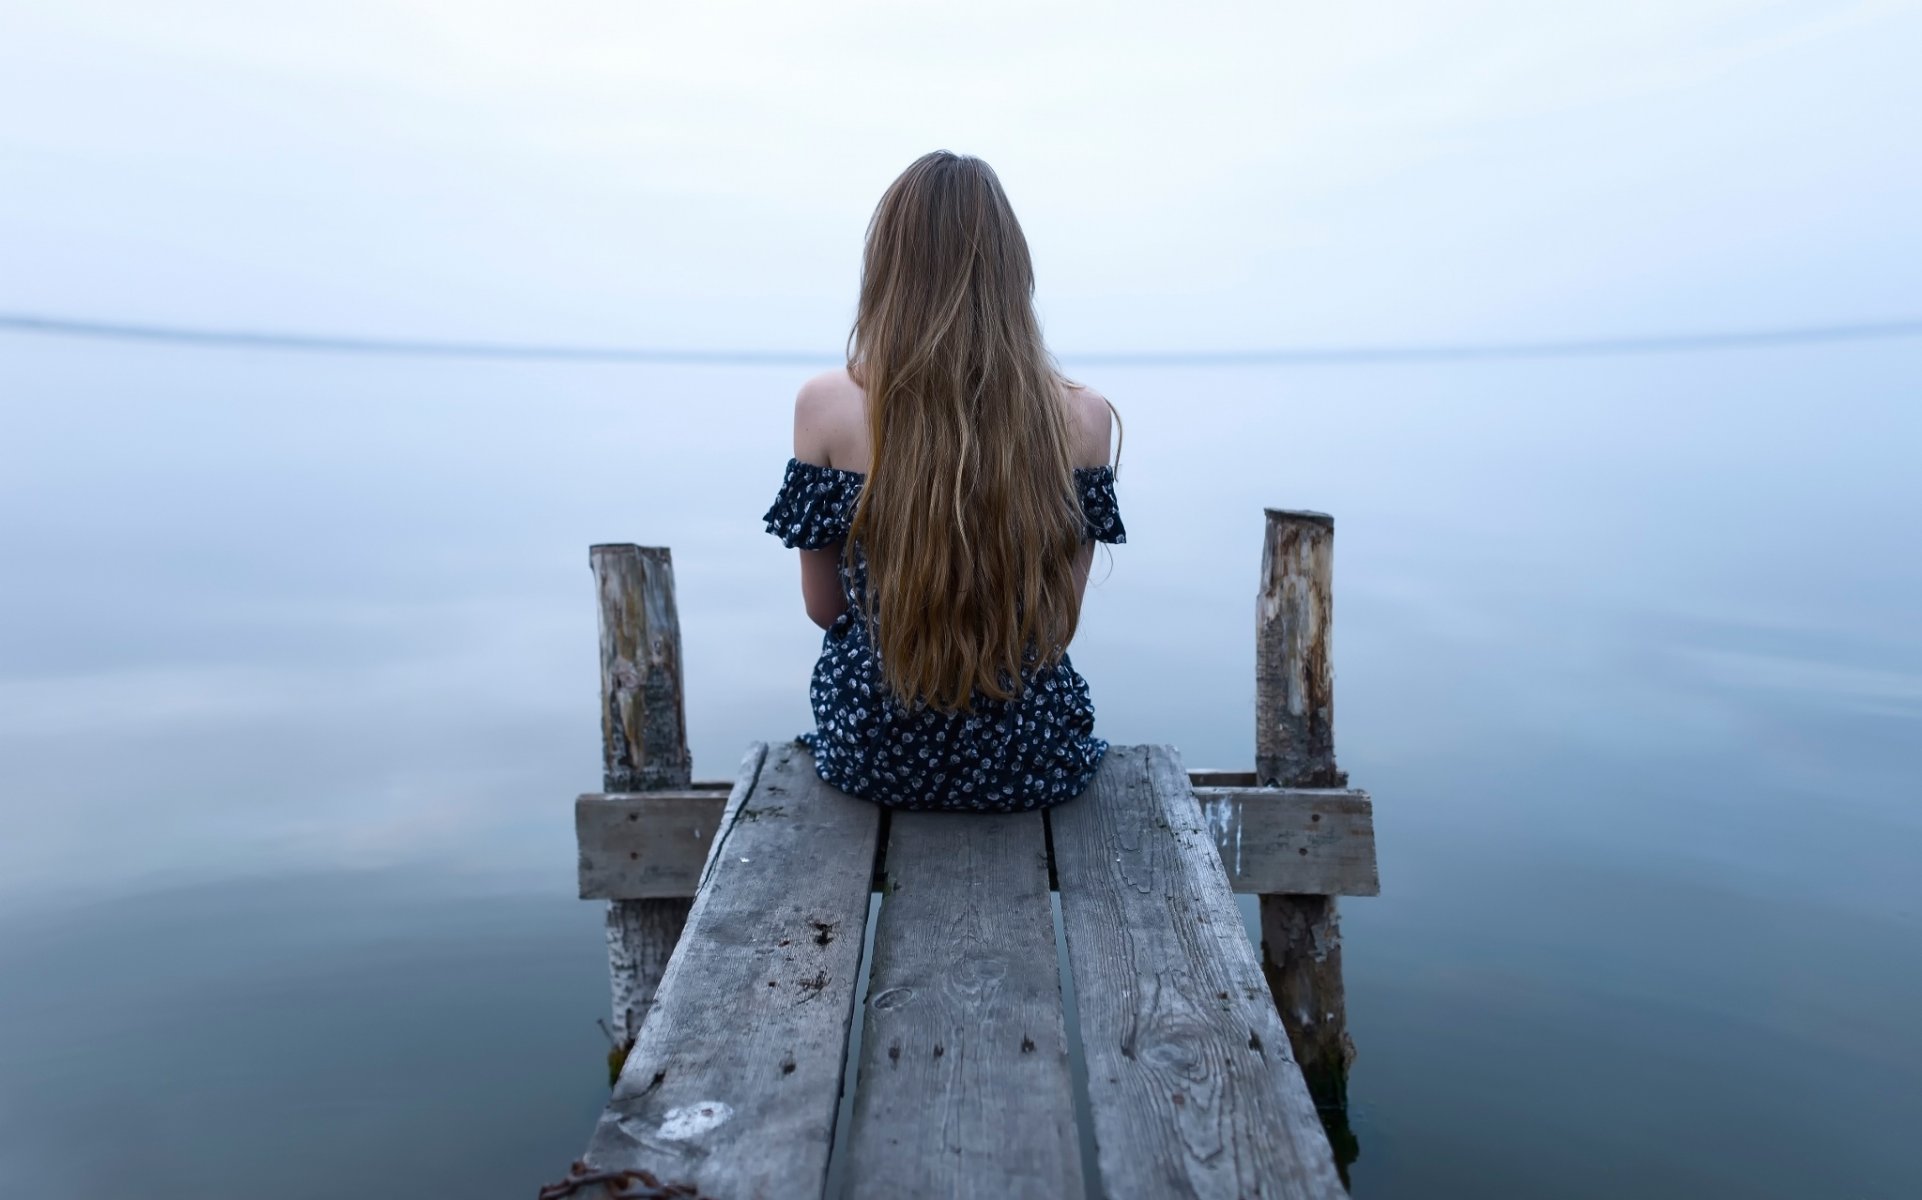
969 520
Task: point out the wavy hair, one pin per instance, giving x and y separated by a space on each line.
969 520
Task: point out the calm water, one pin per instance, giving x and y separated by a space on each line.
297 677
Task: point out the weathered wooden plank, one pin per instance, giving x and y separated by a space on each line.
653 844
640 845
734 1080
964 1087
1193 1091
1295 747
1314 841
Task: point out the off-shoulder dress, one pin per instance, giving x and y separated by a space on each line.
1035 750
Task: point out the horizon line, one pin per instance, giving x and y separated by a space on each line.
1572 347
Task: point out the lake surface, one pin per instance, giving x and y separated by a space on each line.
297 685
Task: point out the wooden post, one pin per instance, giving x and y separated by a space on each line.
644 748
1294 663
1295 747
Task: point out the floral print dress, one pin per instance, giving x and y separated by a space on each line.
1029 752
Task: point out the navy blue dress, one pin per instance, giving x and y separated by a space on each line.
1029 752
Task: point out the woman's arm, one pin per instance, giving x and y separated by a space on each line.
1083 563
821 585
1092 428
823 411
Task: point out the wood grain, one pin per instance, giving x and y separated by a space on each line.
642 845
964 1087
1193 1091
1295 747
642 933
653 844
640 939
643 711
1294 653
1314 841
1301 950
734 1080
643 748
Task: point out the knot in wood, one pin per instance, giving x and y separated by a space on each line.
892 998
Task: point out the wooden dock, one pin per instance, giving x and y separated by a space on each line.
739 910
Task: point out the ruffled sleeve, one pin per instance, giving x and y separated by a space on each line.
1098 505
814 507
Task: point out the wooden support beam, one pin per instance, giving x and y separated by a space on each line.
1210 777
644 748
1309 841
645 845
1295 748
651 845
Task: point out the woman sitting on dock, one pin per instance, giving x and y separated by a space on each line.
946 491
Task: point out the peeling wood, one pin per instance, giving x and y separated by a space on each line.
643 747
643 710
1295 747
1294 653
640 939
1301 949
1313 841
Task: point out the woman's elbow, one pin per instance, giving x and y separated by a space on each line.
826 612
821 591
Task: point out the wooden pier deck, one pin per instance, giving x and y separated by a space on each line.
738 914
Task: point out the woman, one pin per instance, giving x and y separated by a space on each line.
946 491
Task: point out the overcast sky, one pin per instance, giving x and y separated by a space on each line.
1195 175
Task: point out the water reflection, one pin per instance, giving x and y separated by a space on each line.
296 679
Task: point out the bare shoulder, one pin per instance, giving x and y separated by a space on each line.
830 421
1090 425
